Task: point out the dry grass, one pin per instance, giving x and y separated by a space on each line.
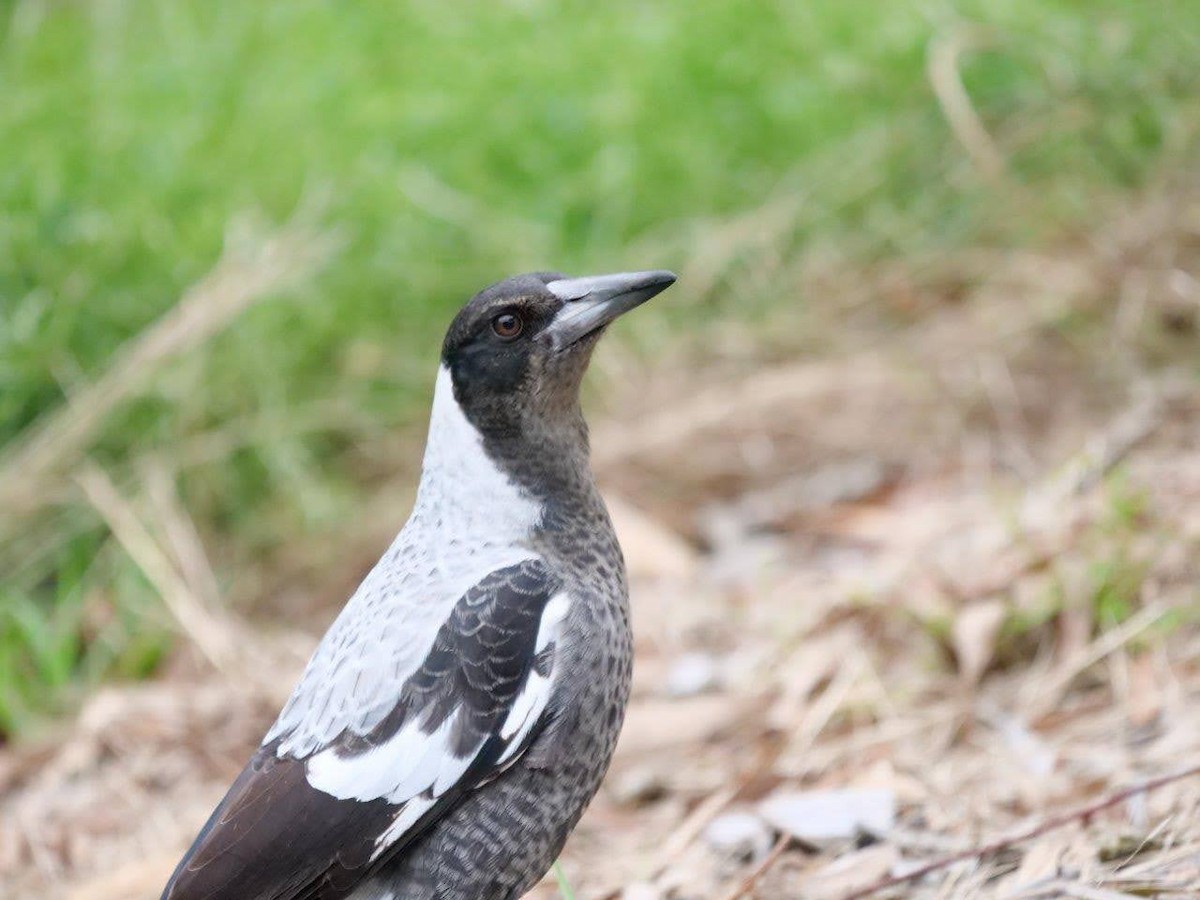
959 568
252 267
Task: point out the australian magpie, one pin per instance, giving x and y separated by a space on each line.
462 710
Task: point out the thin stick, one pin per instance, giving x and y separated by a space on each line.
968 128
207 628
683 836
747 885
1047 825
1050 694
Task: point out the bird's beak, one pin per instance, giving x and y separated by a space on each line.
591 303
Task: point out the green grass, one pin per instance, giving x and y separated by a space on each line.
564 884
453 145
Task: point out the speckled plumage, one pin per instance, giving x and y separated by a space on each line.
460 713
501 840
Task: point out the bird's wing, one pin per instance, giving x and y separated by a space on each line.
313 826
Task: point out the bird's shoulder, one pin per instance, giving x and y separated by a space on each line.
385 631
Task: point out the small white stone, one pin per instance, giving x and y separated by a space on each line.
739 834
641 890
642 784
692 674
829 815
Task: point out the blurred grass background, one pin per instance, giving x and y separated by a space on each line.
439 148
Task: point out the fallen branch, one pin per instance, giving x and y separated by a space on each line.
761 869
1052 824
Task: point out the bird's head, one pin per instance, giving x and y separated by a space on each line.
517 351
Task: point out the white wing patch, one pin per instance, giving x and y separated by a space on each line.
550 627
409 763
413 769
529 708
531 702
536 688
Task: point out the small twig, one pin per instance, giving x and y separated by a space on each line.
771 858
1049 695
1102 452
944 76
208 629
179 535
1001 391
1051 824
683 836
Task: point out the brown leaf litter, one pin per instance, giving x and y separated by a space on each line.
947 585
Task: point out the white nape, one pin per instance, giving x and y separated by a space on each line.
470 519
462 489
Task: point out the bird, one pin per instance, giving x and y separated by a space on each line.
462 710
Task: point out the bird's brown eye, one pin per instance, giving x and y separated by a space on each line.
507 325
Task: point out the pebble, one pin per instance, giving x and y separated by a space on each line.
739 834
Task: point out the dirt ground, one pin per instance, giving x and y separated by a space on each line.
932 602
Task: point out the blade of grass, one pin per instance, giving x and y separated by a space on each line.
564 886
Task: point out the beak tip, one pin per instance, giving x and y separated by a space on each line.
594 301
657 279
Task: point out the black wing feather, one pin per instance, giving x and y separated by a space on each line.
275 837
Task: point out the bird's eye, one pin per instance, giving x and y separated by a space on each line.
507 325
